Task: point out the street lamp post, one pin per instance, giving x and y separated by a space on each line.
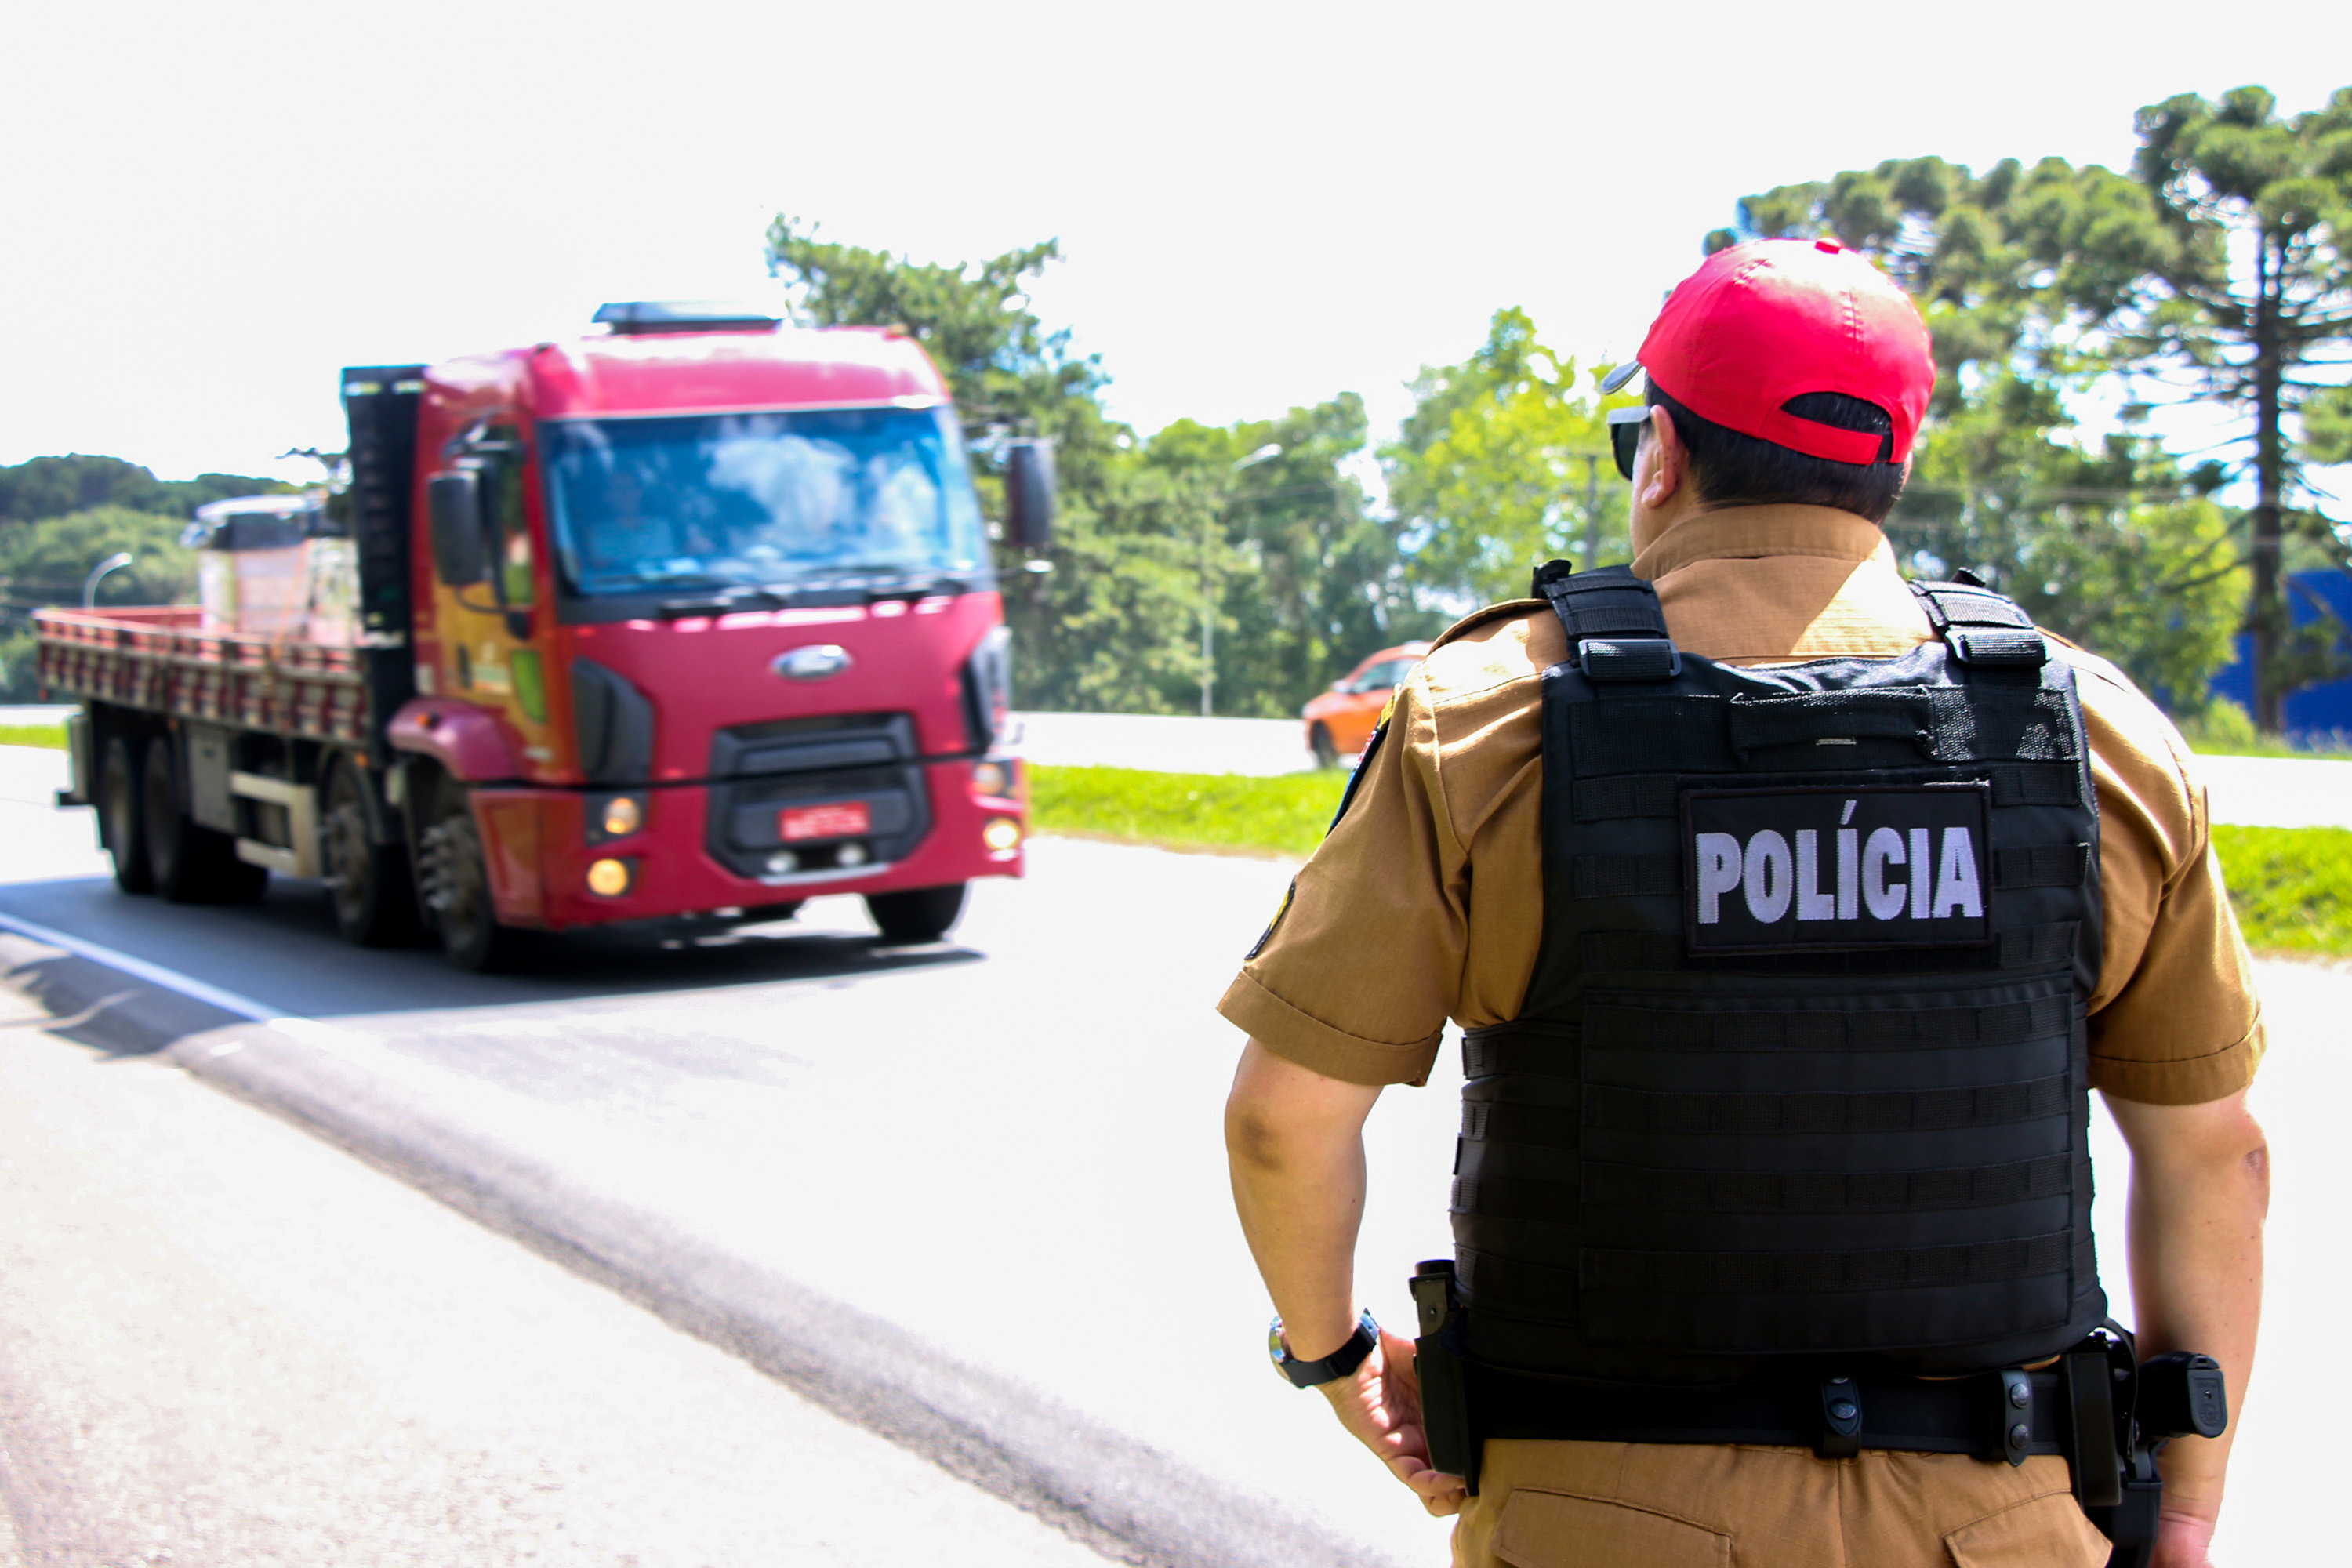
1208 580
114 562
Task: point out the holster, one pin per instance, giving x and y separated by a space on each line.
1439 1363
2177 1395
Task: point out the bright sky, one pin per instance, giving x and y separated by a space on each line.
215 207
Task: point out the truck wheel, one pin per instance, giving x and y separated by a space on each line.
375 901
122 818
1319 742
456 885
187 862
917 915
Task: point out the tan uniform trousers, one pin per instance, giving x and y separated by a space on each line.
1644 1505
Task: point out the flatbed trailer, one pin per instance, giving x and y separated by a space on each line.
161 663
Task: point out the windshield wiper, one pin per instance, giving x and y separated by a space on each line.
864 585
720 601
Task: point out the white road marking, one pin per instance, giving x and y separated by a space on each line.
139 968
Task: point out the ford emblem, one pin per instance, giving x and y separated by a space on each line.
815 662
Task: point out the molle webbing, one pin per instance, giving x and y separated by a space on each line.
1656 795
1698 1154
2020 947
1734 1191
1707 733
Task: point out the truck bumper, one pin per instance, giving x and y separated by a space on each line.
540 857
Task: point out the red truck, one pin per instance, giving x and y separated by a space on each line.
695 617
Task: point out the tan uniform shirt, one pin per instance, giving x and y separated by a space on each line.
1426 901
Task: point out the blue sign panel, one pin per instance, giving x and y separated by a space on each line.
2316 713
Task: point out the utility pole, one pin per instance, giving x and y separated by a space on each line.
1591 511
1208 575
1208 612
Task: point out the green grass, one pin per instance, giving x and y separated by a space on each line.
2224 729
2291 885
2274 748
53 735
1223 811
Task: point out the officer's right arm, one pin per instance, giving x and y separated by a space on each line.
2175 1034
2200 1187
1349 991
1294 1139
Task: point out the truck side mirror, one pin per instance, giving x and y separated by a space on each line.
455 501
1029 493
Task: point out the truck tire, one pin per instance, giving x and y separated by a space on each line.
1325 749
454 882
917 915
122 818
369 883
187 862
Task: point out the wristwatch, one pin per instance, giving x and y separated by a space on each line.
1339 1363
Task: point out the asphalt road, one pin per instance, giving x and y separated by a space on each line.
223 1341
969 1197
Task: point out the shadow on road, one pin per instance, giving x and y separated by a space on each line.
284 951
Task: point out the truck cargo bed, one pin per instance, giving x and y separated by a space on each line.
161 660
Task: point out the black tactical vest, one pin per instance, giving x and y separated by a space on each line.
1800 1075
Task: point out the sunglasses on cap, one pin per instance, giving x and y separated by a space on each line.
1625 428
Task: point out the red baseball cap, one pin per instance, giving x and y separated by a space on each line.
1762 322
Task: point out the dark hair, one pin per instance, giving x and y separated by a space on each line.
1733 469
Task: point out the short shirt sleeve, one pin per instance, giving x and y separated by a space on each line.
2175 1019
1362 965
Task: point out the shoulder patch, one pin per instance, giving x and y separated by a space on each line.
1363 765
1504 611
1280 910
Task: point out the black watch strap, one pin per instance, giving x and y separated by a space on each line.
1337 1364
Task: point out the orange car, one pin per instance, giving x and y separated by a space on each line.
1339 722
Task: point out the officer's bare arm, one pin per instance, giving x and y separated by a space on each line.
1295 1142
2200 1188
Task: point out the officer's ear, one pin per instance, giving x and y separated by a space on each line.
1662 470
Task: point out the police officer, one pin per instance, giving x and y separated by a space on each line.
1789 914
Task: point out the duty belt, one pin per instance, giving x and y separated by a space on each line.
2006 1415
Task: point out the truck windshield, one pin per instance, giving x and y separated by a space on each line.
758 500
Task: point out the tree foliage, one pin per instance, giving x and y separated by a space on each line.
44 561
1502 465
1303 580
2213 270
52 486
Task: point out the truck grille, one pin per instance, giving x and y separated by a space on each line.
760 771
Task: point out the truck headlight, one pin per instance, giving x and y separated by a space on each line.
615 817
1002 834
610 878
992 778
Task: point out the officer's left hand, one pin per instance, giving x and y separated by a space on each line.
1380 1404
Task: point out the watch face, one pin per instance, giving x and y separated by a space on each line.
1273 1345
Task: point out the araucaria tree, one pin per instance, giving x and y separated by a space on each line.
2245 303
2214 271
